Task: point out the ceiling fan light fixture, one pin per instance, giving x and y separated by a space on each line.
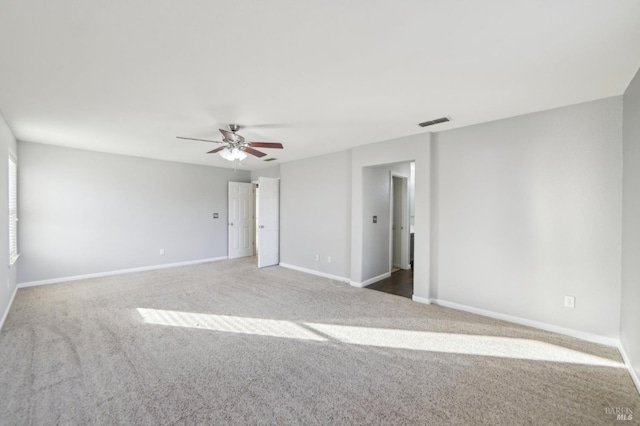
235 147
232 154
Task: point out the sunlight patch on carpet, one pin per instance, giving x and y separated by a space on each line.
464 344
229 324
494 346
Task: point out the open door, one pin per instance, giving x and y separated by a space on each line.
240 220
269 222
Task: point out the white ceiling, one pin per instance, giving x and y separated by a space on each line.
318 76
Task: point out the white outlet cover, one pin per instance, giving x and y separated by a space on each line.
569 302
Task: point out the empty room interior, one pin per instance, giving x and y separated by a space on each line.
320 212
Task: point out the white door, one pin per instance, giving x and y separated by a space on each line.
240 219
269 222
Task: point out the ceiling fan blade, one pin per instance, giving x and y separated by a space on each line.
213 151
230 136
266 145
252 151
194 139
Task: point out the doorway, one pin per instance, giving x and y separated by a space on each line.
399 279
399 250
254 221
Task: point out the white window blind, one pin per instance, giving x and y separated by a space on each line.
13 210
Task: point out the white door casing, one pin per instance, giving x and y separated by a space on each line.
269 222
241 218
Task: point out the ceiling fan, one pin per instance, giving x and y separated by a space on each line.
235 147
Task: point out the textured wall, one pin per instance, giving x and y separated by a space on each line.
84 212
630 307
529 210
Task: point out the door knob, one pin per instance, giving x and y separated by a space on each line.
231 224
261 226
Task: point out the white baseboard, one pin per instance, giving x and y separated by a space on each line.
609 341
119 272
371 280
419 299
6 312
627 361
314 272
603 340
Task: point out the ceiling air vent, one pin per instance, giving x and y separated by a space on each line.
436 121
270 159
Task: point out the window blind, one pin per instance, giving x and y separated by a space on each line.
13 210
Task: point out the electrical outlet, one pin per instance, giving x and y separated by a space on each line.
161 252
569 302
317 257
328 259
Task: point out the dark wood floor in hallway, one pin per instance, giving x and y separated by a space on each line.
399 283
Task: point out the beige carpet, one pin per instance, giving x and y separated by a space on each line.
226 343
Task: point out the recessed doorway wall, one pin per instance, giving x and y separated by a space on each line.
379 220
407 149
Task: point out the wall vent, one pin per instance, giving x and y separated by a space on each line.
270 159
436 121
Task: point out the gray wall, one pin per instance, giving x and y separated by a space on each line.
375 202
529 210
630 307
315 200
271 172
85 212
7 275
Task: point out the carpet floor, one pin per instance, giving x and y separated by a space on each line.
227 343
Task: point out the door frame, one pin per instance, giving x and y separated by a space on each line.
405 228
